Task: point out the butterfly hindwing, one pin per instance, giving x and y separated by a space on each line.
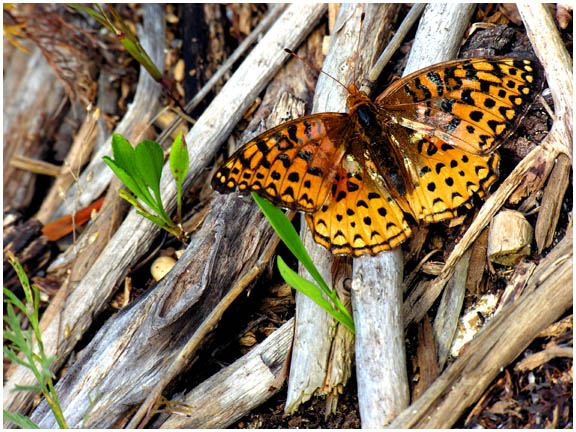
472 104
292 165
358 217
444 178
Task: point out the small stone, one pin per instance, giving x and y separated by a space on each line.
509 238
161 266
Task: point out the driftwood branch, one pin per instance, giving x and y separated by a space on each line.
234 391
409 21
558 65
32 93
448 314
382 377
443 28
321 360
382 364
314 329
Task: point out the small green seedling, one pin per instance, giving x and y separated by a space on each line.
20 346
129 40
140 169
317 293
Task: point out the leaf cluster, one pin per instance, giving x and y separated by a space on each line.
140 169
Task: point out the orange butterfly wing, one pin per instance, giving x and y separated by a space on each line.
443 177
359 217
472 104
292 165
449 119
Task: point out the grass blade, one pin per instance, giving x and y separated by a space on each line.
20 420
309 289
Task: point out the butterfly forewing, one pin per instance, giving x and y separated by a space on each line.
471 104
293 165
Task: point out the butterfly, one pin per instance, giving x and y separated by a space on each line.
419 152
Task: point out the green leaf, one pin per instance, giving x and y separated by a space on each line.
118 18
149 163
132 45
315 293
13 322
158 221
16 359
45 365
8 352
179 161
136 51
149 160
20 420
303 285
138 188
124 154
24 282
290 237
140 170
98 17
34 389
8 335
36 305
123 193
10 297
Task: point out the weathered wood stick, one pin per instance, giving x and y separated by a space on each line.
381 359
321 360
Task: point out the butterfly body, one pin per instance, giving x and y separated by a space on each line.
420 151
368 142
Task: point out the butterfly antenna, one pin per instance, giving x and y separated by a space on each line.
289 51
358 46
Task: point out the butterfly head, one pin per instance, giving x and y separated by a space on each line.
356 98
